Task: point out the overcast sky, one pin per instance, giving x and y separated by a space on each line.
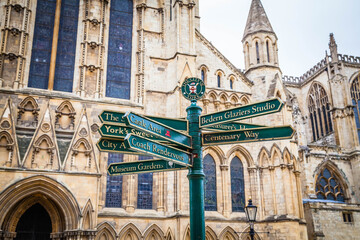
302 28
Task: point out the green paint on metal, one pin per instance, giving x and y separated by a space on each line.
243 112
232 126
157 129
117 118
155 149
117 131
143 166
193 89
251 135
114 145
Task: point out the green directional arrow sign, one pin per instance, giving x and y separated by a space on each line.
118 131
157 129
117 118
251 135
114 145
155 149
143 166
243 112
232 126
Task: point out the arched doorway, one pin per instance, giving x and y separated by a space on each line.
34 224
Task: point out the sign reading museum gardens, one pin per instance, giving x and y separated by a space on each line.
177 143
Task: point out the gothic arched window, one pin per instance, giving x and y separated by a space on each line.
267 51
355 95
145 188
114 183
237 185
54 45
319 109
119 52
231 83
203 75
210 183
257 52
328 186
218 80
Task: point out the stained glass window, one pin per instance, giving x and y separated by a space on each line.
319 108
114 184
237 185
145 188
328 186
210 183
43 40
119 52
355 95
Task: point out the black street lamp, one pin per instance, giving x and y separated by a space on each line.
251 211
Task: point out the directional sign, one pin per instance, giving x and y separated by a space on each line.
117 118
251 135
114 145
157 129
118 131
155 149
232 126
143 166
243 112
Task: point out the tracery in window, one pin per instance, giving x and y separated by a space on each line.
119 50
114 184
210 183
237 185
328 186
319 109
145 188
54 45
355 95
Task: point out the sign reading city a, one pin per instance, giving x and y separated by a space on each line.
114 145
117 118
193 88
232 126
143 166
118 131
157 129
155 149
243 112
251 135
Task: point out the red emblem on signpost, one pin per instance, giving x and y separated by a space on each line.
167 133
192 87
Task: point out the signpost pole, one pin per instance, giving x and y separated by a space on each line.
196 175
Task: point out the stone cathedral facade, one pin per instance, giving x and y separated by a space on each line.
62 62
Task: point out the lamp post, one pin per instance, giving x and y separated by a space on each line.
251 211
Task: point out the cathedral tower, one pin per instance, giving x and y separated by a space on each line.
259 40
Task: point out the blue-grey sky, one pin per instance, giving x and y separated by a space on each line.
302 28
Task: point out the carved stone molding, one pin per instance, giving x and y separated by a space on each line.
343 112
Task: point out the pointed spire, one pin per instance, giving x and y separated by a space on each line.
333 48
257 20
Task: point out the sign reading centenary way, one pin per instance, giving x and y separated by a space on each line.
243 112
155 149
232 126
193 88
143 166
157 129
251 135
117 118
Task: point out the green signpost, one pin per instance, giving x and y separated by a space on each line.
132 133
248 111
155 149
251 135
159 130
232 126
143 167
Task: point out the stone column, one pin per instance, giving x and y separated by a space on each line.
225 180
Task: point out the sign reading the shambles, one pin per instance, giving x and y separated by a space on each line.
159 130
260 134
117 118
243 112
155 149
143 166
